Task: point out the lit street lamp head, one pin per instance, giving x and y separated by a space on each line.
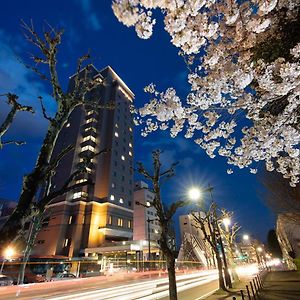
9 252
194 194
226 222
245 237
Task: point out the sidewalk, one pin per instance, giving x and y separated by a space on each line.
281 285
234 292
278 285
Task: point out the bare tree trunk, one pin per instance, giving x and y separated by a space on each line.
220 270
32 181
35 227
172 278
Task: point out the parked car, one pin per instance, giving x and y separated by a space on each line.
63 276
5 280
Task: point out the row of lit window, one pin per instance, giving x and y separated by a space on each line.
88 147
81 194
89 138
120 221
112 198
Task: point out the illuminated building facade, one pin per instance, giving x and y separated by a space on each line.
102 211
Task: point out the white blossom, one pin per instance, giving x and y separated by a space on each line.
239 83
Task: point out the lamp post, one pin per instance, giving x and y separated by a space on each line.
8 253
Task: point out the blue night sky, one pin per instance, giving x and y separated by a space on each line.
90 24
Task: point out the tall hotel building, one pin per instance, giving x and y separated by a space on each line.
101 212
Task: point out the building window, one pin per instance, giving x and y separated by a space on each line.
90 128
120 222
67 242
83 219
130 129
123 157
89 138
130 153
130 145
91 148
68 125
112 197
91 120
89 112
89 170
41 242
110 220
129 203
116 125
121 200
79 195
116 134
80 181
113 185
129 223
116 163
71 220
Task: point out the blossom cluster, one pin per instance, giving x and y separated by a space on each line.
231 85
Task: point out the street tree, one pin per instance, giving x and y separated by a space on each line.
229 232
242 59
208 222
164 214
273 244
45 66
278 195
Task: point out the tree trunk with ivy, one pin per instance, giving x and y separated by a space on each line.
164 215
84 83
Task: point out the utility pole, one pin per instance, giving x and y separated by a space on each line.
149 244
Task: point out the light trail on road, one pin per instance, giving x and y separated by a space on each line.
147 290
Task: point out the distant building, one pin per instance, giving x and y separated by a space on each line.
100 212
145 222
288 234
142 214
193 247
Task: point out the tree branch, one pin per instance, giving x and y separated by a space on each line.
44 110
12 100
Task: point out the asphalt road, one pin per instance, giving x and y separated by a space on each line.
117 287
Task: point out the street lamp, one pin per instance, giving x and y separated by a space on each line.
194 194
226 222
7 254
246 237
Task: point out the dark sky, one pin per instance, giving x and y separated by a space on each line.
90 24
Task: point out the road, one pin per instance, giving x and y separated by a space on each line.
118 287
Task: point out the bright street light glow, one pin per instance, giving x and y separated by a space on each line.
194 194
9 252
259 249
246 237
226 222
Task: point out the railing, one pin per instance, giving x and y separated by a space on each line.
254 287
